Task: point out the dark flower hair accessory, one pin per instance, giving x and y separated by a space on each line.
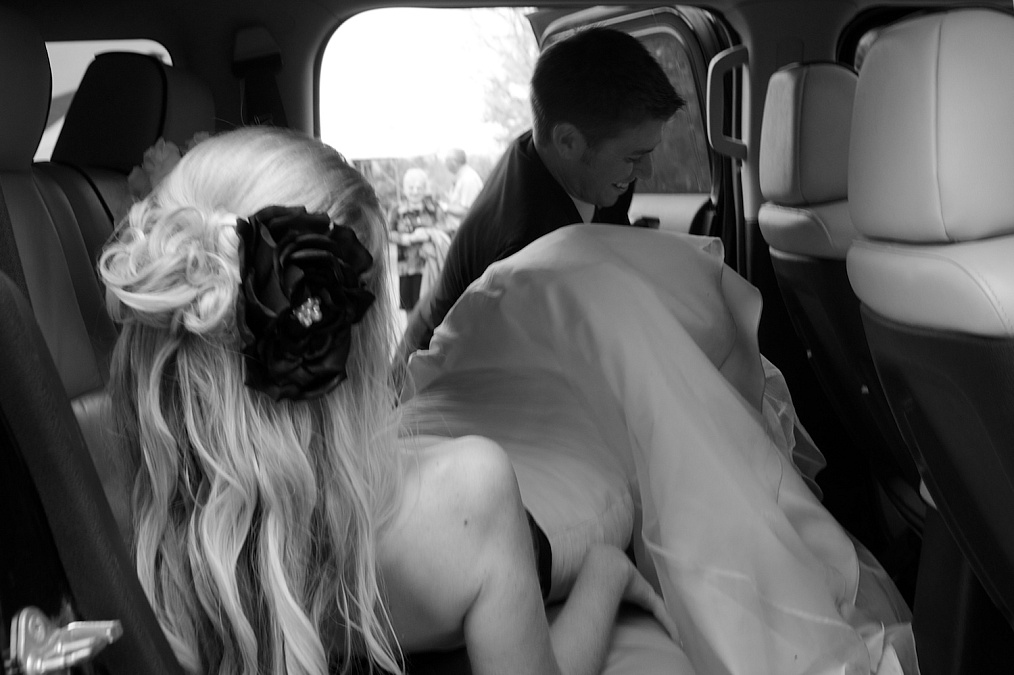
300 294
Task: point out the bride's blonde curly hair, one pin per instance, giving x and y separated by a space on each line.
255 522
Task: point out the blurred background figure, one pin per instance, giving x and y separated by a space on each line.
417 224
467 186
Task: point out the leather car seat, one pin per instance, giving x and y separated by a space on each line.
38 253
930 171
805 221
42 249
126 101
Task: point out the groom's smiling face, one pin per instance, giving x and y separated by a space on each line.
602 173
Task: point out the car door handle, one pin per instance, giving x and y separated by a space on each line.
39 646
721 65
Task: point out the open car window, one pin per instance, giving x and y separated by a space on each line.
437 79
399 87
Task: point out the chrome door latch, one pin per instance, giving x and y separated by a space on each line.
39 646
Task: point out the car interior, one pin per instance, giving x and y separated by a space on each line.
862 185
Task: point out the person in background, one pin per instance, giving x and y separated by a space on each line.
417 230
599 104
284 521
467 185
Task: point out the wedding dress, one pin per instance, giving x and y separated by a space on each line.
619 368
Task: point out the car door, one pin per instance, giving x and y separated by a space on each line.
691 182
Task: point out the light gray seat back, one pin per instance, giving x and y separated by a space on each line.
804 160
930 189
806 223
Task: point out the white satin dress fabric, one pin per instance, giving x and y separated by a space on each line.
634 353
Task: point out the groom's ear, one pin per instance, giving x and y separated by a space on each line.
568 141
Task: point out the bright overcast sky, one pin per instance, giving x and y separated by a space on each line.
405 82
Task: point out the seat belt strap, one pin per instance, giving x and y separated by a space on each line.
10 261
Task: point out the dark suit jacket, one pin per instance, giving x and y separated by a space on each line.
520 202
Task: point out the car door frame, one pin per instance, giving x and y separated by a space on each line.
702 34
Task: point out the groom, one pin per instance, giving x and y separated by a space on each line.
599 104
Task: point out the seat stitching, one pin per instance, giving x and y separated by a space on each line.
935 113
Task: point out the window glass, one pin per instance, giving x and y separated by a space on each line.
681 159
68 61
401 86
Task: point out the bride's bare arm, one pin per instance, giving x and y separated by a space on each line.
461 563
506 630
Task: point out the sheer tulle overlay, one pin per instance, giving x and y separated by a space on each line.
619 368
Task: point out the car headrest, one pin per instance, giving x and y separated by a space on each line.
804 145
126 102
932 150
26 81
